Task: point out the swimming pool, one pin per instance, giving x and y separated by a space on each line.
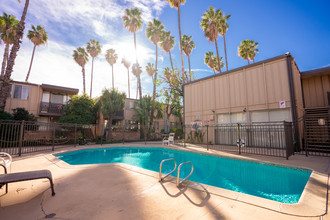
277 183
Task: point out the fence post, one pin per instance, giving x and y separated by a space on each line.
239 138
75 135
53 138
21 138
207 137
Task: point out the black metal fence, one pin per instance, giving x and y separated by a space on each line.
272 139
18 137
317 132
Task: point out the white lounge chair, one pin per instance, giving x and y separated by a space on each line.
6 160
171 138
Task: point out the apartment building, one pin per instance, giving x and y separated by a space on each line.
265 91
44 101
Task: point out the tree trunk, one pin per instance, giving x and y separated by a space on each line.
4 62
4 90
179 21
92 77
137 87
171 60
135 48
140 88
213 71
28 74
248 61
129 93
189 65
112 78
155 78
216 46
109 127
83 75
224 42
253 60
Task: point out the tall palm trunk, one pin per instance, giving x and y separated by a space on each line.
216 46
4 62
28 74
112 78
135 48
179 21
83 75
140 86
139 80
4 89
137 87
129 93
224 42
171 60
92 77
189 65
155 78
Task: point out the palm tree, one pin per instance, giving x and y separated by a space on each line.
7 34
81 57
216 66
154 32
176 4
167 43
247 50
210 25
222 31
187 46
137 70
38 36
133 22
208 60
150 69
111 102
4 90
111 57
94 49
253 50
127 64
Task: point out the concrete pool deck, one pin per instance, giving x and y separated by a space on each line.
119 191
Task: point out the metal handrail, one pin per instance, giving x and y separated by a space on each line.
160 169
7 162
178 176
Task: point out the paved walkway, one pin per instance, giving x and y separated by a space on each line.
119 191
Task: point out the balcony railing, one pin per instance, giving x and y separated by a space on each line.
51 109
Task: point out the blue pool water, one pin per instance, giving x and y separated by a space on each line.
271 182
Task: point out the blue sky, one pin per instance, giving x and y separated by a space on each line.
298 26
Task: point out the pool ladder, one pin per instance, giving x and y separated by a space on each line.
178 182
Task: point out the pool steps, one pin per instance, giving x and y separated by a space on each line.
178 182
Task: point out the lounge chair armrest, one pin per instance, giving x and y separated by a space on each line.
4 167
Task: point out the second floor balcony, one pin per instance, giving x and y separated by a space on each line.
51 109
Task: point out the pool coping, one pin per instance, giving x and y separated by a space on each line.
309 205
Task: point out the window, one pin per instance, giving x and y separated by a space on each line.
21 92
45 97
131 104
156 125
237 117
57 99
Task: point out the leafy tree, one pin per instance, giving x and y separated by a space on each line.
5 87
145 107
80 110
176 4
20 114
6 116
127 64
111 102
111 57
167 43
94 49
210 25
187 46
7 33
81 58
38 36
